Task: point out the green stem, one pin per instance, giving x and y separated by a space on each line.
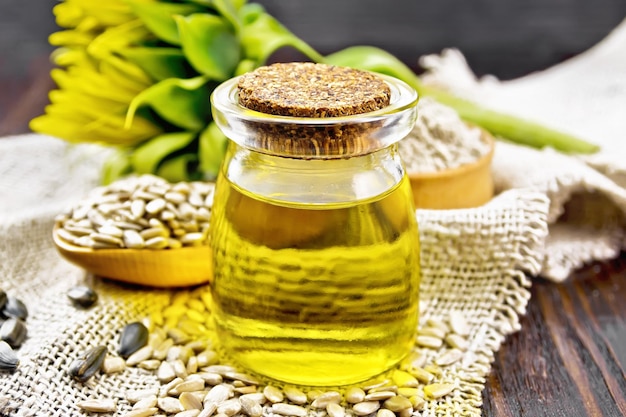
516 129
498 124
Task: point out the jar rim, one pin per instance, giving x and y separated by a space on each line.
225 100
315 138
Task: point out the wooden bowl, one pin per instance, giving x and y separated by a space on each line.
155 268
466 186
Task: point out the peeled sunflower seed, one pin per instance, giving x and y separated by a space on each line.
450 357
113 364
13 331
458 323
273 394
326 398
434 391
98 405
289 410
250 407
88 364
366 407
335 410
295 395
14 308
383 412
82 296
134 337
8 358
397 404
355 395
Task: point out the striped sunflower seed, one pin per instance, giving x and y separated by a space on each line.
82 296
8 358
134 337
14 332
14 308
88 364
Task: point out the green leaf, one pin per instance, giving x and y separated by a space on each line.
229 11
147 157
374 59
244 66
184 103
262 36
237 4
209 44
177 169
211 150
250 12
159 17
116 166
159 63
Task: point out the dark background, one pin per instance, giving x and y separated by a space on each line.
507 38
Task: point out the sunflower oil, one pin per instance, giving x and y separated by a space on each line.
315 293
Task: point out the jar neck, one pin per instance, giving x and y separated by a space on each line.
294 181
312 137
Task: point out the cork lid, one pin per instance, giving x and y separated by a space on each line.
314 111
304 89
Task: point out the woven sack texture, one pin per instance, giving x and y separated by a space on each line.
584 96
475 262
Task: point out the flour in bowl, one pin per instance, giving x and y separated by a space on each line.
440 140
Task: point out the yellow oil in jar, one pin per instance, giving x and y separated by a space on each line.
315 295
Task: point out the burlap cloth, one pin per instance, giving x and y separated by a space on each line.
585 96
545 219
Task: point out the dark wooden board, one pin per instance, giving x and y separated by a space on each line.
569 359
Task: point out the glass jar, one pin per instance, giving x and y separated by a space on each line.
315 247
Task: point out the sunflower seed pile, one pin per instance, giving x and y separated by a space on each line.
140 212
13 332
176 344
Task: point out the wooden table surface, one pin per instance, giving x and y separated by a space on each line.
569 359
